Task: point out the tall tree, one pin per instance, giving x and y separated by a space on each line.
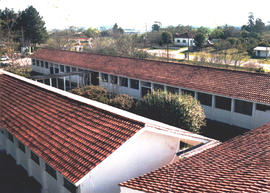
155 27
32 27
199 39
259 26
8 23
166 38
92 32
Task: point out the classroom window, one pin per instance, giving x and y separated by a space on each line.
69 186
223 103
261 107
104 77
158 87
172 90
114 79
10 137
146 84
67 69
35 158
33 62
50 171
188 92
73 69
243 107
134 84
123 81
46 65
21 146
42 64
205 99
37 63
62 68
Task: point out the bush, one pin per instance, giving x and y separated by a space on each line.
123 101
97 93
178 110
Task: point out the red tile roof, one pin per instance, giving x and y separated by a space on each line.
241 164
237 84
71 136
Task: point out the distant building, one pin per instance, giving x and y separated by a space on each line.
71 144
130 31
233 97
262 52
186 39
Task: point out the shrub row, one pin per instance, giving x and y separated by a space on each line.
178 110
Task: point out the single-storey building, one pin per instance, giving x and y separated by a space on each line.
229 96
238 165
72 144
186 39
262 52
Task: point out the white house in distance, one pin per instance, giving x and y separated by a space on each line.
262 52
72 144
186 39
232 97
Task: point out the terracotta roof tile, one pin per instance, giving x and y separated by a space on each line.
72 137
238 165
237 84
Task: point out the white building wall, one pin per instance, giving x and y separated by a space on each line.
263 53
128 190
261 118
242 120
36 170
139 155
23 158
184 42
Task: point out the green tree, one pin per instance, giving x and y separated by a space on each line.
166 38
9 23
199 39
92 32
97 93
32 26
178 110
116 31
122 101
155 27
217 33
259 26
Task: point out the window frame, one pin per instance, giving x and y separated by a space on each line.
158 87
188 92
219 106
10 137
51 171
135 86
104 77
123 83
69 186
114 79
239 108
21 146
35 158
205 101
262 107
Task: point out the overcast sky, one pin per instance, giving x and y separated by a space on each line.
140 14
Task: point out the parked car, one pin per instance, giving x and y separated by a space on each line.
4 58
